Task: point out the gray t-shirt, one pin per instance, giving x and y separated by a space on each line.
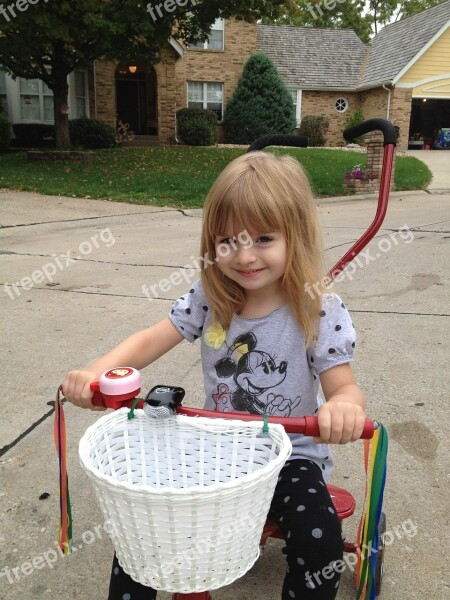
261 366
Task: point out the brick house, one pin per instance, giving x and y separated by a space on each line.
402 75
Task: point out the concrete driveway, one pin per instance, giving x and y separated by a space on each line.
438 161
78 267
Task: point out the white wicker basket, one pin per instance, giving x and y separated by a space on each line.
186 498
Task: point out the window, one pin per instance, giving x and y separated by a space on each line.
3 97
206 95
341 105
80 94
297 100
36 101
215 39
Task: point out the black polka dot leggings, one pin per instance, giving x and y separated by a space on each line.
304 511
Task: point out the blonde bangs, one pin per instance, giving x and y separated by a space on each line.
260 193
248 206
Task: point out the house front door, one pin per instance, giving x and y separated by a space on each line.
132 104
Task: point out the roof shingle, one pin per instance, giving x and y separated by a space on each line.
397 44
313 58
308 57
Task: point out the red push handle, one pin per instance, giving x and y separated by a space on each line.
308 426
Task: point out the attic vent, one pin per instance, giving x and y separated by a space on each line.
341 104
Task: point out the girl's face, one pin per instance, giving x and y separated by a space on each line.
256 260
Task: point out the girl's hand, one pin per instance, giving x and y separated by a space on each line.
76 388
340 420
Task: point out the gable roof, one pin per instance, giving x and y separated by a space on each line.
398 44
313 58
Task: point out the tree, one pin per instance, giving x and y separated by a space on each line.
261 103
335 14
365 18
383 12
48 41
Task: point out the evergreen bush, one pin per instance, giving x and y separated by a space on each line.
197 126
91 133
32 134
261 104
314 127
355 119
5 132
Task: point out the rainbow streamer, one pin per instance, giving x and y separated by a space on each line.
65 521
369 544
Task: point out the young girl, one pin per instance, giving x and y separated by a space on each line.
266 346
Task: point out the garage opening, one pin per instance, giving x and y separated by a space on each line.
430 124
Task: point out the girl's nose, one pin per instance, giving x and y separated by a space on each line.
245 256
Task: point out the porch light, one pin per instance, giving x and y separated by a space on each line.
424 99
132 68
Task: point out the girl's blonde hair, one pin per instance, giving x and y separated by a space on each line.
264 192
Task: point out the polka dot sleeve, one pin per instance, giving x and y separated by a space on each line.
189 312
336 339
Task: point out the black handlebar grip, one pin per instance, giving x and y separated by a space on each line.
279 139
389 132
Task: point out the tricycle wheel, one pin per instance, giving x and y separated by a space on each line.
380 554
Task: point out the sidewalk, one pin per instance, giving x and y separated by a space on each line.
80 266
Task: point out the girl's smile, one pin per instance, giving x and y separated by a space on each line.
256 262
252 273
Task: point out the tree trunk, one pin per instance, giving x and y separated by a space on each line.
60 102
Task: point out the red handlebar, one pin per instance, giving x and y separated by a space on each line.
305 425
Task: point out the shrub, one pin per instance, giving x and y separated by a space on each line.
5 133
197 126
32 134
355 119
314 127
261 104
91 133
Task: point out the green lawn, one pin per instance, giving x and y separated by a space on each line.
177 176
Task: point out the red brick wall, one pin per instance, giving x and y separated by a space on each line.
323 103
166 94
216 66
106 92
401 103
374 103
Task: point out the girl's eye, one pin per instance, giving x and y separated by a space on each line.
265 239
226 241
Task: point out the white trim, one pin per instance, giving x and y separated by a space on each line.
176 46
218 25
434 87
298 105
40 96
422 81
432 97
73 94
347 104
421 52
205 94
299 108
